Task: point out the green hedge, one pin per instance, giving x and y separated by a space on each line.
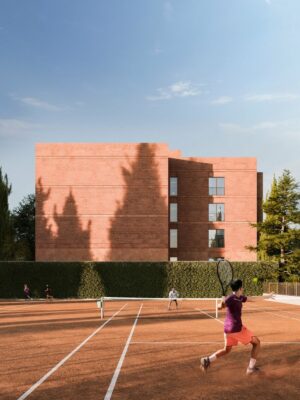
132 279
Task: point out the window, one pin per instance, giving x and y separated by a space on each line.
216 186
216 212
173 212
216 238
173 238
173 186
173 258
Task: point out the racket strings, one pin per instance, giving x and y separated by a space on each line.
225 274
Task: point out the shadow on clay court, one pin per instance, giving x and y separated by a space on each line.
158 373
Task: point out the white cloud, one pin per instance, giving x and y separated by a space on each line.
230 127
268 2
258 98
34 102
264 125
177 89
15 127
289 129
267 125
37 103
222 100
162 95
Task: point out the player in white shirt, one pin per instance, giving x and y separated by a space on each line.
173 297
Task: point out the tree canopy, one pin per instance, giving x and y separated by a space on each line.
24 228
279 234
6 231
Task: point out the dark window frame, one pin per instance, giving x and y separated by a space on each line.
215 213
170 179
216 190
173 203
174 247
218 241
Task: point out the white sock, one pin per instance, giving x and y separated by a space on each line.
252 363
212 358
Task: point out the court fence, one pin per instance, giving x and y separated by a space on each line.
285 288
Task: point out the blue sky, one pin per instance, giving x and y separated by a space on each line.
212 78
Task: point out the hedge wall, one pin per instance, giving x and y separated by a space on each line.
132 279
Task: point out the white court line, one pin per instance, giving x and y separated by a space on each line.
291 312
273 313
200 343
210 316
176 343
119 366
283 316
255 308
46 376
250 308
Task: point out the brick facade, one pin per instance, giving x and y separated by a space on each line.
110 202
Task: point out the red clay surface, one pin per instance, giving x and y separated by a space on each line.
162 361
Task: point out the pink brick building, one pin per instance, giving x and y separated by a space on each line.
143 202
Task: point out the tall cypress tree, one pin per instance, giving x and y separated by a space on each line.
23 218
6 231
279 232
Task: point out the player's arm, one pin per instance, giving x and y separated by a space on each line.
263 297
222 303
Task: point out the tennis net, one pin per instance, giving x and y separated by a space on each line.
157 307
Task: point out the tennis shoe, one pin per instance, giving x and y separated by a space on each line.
253 370
204 363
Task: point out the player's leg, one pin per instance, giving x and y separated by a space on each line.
169 306
176 302
254 354
229 342
206 361
221 353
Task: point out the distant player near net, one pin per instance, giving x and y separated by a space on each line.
27 293
234 330
173 298
48 293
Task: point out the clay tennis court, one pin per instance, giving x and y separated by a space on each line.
142 351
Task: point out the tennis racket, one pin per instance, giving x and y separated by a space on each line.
225 274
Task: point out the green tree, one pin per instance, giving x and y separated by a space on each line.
6 231
279 234
90 283
24 228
